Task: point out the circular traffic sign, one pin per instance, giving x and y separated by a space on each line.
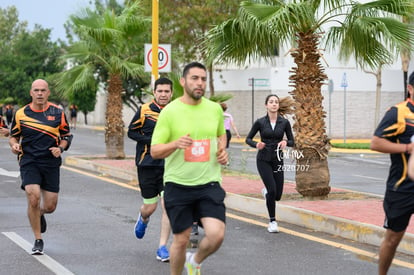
163 58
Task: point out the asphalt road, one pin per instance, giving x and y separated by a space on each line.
91 232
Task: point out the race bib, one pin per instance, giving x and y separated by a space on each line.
199 151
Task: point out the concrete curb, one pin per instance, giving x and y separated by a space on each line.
356 231
101 168
349 229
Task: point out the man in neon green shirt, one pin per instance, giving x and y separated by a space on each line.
190 135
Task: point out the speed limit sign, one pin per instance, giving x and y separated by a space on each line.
164 58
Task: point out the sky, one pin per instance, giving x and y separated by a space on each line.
50 14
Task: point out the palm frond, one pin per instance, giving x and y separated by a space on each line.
370 37
387 7
221 97
78 78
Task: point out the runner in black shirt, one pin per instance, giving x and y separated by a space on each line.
39 135
393 136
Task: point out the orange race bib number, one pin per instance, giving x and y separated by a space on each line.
199 151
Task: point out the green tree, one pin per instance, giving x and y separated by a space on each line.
107 44
85 100
133 86
371 32
25 56
10 26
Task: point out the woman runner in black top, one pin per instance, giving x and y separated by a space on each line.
272 128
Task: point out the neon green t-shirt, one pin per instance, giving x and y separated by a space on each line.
204 123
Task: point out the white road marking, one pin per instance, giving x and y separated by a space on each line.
13 174
323 241
367 177
47 261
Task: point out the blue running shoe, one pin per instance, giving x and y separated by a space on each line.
140 227
162 254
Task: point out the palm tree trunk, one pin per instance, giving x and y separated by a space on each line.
114 128
85 113
311 141
405 60
378 96
211 79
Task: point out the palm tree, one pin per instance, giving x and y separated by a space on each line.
406 57
107 50
370 32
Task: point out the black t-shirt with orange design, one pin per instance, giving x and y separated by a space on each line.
397 126
140 129
39 131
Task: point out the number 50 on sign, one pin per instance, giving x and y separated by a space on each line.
164 58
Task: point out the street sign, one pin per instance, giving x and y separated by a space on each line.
164 58
344 82
259 82
330 86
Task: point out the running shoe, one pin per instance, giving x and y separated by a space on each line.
264 193
43 224
273 228
191 269
140 227
194 229
38 247
162 254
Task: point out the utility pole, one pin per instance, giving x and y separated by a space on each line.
155 14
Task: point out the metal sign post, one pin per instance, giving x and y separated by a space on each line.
252 79
259 82
344 84
330 91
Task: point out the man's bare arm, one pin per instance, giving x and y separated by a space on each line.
222 155
161 151
385 146
14 145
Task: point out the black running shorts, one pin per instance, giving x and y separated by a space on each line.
398 207
186 204
48 177
398 224
150 180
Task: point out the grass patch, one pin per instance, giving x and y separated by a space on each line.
351 145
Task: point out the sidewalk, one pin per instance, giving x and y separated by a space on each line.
349 214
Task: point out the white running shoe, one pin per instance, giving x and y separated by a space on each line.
264 193
273 228
191 269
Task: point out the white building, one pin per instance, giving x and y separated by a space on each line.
350 110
